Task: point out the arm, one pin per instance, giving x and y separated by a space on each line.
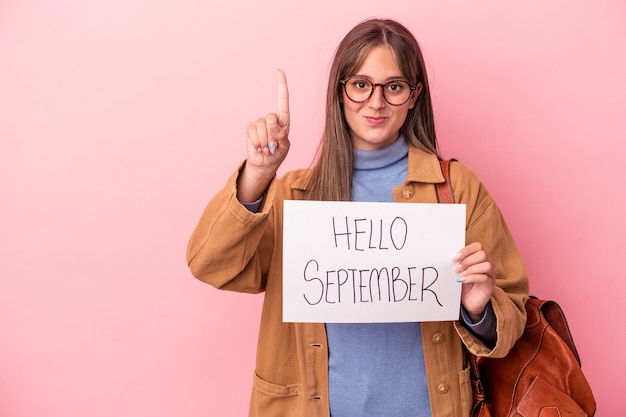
492 271
231 246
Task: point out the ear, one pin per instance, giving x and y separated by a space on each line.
415 95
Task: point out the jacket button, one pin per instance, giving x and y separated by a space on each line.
437 338
442 388
407 193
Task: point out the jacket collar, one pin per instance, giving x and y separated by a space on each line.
423 167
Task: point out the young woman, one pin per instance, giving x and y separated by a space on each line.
379 144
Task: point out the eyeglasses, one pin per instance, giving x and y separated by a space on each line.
396 92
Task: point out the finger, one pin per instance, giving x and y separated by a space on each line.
283 100
257 135
482 269
475 258
477 261
262 134
273 132
252 138
473 262
468 251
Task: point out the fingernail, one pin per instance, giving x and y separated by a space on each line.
458 256
459 280
271 146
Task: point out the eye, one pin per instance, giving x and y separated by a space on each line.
395 87
360 84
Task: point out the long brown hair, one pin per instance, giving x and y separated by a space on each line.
331 177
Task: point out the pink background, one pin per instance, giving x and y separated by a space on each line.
120 119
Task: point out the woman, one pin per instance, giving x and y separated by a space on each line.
379 144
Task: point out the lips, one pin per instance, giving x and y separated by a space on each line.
376 121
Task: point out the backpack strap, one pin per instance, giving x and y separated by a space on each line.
445 194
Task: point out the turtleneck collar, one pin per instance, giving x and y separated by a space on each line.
380 158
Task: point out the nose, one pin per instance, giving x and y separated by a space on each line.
377 99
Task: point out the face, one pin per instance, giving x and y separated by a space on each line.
374 123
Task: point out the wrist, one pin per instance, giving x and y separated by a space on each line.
476 317
252 183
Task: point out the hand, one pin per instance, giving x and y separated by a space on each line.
267 137
477 273
267 146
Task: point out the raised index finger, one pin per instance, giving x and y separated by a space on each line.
283 100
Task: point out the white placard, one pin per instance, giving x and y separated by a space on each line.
352 262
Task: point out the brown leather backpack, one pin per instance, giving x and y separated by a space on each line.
541 376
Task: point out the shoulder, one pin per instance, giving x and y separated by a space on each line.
462 173
467 186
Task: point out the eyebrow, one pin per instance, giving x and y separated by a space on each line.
392 78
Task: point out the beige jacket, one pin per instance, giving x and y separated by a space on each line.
234 249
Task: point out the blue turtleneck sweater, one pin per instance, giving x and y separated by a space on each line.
377 369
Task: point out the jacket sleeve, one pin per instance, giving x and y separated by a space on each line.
485 224
231 247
